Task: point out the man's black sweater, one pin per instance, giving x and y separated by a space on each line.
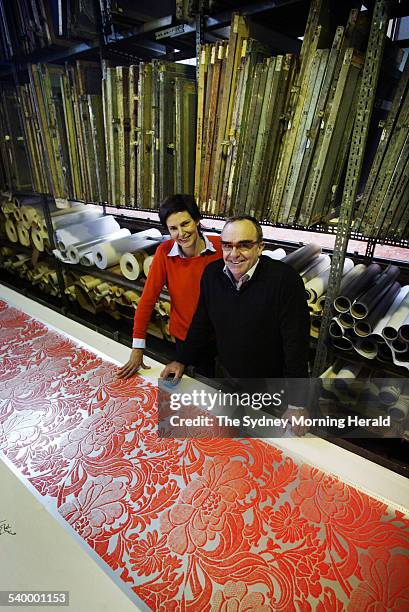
261 331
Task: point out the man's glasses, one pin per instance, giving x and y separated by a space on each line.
242 246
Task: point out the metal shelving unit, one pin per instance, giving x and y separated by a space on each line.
166 38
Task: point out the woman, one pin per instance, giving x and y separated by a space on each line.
178 263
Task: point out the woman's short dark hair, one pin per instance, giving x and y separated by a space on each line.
179 202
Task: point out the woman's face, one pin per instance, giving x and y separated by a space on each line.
183 229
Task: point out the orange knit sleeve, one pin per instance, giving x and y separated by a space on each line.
157 278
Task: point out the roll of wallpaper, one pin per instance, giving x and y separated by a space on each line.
115 270
399 346
86 231
390 312
346 320
404 330
346 375
401 359
400 410
85 300
132 265
359 284
317 286
74 216
368 300
109 254
23 235
384 352
11 231
335 328
389 393
343 343
391 329
130 297
17 214
319 265
102 289
75 251
86 260
315 326
366 347
351 275
276 254
89 282
349 370
303 256
147 264
39 238
20 261
365 327
30 214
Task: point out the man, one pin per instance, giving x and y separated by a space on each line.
254 306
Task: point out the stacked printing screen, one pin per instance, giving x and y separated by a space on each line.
383 211
149 112
273 132
29 25
123 135
261 134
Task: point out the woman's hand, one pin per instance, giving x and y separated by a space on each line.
173 372
133 365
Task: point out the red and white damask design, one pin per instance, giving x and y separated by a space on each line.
222 525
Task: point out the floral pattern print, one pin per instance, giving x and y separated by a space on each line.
191 525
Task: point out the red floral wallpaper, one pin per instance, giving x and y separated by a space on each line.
224 525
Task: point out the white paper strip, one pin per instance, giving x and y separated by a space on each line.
276 254
73 216
88 230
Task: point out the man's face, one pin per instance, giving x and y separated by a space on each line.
240 249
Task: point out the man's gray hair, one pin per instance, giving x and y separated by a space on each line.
252 220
